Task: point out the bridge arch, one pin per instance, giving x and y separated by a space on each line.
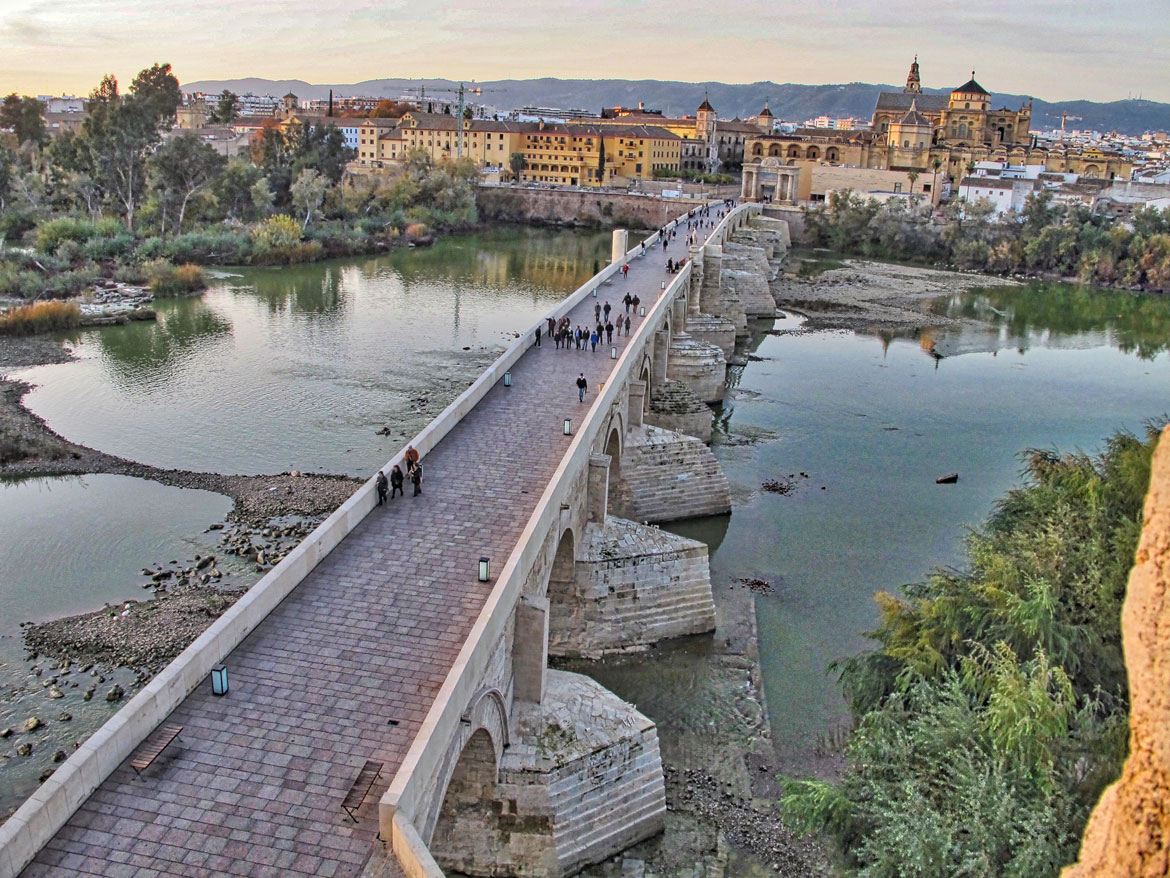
466 809
565 605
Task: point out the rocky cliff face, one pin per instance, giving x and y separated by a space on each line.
1129 832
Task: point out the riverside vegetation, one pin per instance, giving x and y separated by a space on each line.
993 711
1045 239
127 199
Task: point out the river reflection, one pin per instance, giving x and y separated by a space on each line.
275 369
1055 314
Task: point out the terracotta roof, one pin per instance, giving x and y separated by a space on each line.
706 105
766 112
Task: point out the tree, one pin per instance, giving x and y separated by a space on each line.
601 160
516 163
7 160
113 146
233 187
308 193
158 89
262 197
24 117
228 109
106 91
913 177
181 167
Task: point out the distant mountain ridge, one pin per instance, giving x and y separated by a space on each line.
789 101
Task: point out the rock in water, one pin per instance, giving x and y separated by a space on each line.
60 756
65 717
54 692
115 694
32 724
24 749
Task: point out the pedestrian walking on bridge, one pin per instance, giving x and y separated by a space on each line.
582 386
416 478
396 482
381 484
538 335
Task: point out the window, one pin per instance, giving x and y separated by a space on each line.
897 187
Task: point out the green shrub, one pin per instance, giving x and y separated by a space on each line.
39 317
275 233
106 249
51 233
129 273
166 279
17 282
210 246
14 223
149 248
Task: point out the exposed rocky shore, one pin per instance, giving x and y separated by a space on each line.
866 296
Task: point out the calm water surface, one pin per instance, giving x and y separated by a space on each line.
873 421
296 368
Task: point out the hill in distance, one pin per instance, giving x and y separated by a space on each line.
789 101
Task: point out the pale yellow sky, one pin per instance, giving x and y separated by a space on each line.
1052 49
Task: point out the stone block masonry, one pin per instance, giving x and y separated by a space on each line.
671 476
699 365
674 406
635 585
581 782
746 272
573 208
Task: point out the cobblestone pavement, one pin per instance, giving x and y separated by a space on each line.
345 669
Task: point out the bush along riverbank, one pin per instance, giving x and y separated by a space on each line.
1044 240
128 199
994 710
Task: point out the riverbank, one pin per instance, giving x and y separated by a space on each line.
867 296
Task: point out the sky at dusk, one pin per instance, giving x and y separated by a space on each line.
1051 49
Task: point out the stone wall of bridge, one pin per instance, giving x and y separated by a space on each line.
572 207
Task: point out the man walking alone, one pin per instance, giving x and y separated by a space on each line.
582 386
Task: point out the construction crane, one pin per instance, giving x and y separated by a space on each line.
461 91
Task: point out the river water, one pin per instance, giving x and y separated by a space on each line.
276 369
269 370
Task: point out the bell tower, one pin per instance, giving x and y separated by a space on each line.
913 83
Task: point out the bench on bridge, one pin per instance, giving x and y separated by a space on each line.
153 747
360 788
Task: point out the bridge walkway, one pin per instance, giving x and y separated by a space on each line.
346 667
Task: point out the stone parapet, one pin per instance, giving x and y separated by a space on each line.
699 365
668 476
674 406
635 585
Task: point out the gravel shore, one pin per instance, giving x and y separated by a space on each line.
867 296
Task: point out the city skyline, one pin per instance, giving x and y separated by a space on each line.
66 47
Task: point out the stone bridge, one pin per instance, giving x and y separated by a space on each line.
376 639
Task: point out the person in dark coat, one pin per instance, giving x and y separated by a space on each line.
582 386
609 332
381 484
538 335
627 301
396 479
416 478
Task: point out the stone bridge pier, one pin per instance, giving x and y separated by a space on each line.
354 655
547 770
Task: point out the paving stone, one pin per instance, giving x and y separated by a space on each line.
367 637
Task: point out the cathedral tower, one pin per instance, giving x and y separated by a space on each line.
913 83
